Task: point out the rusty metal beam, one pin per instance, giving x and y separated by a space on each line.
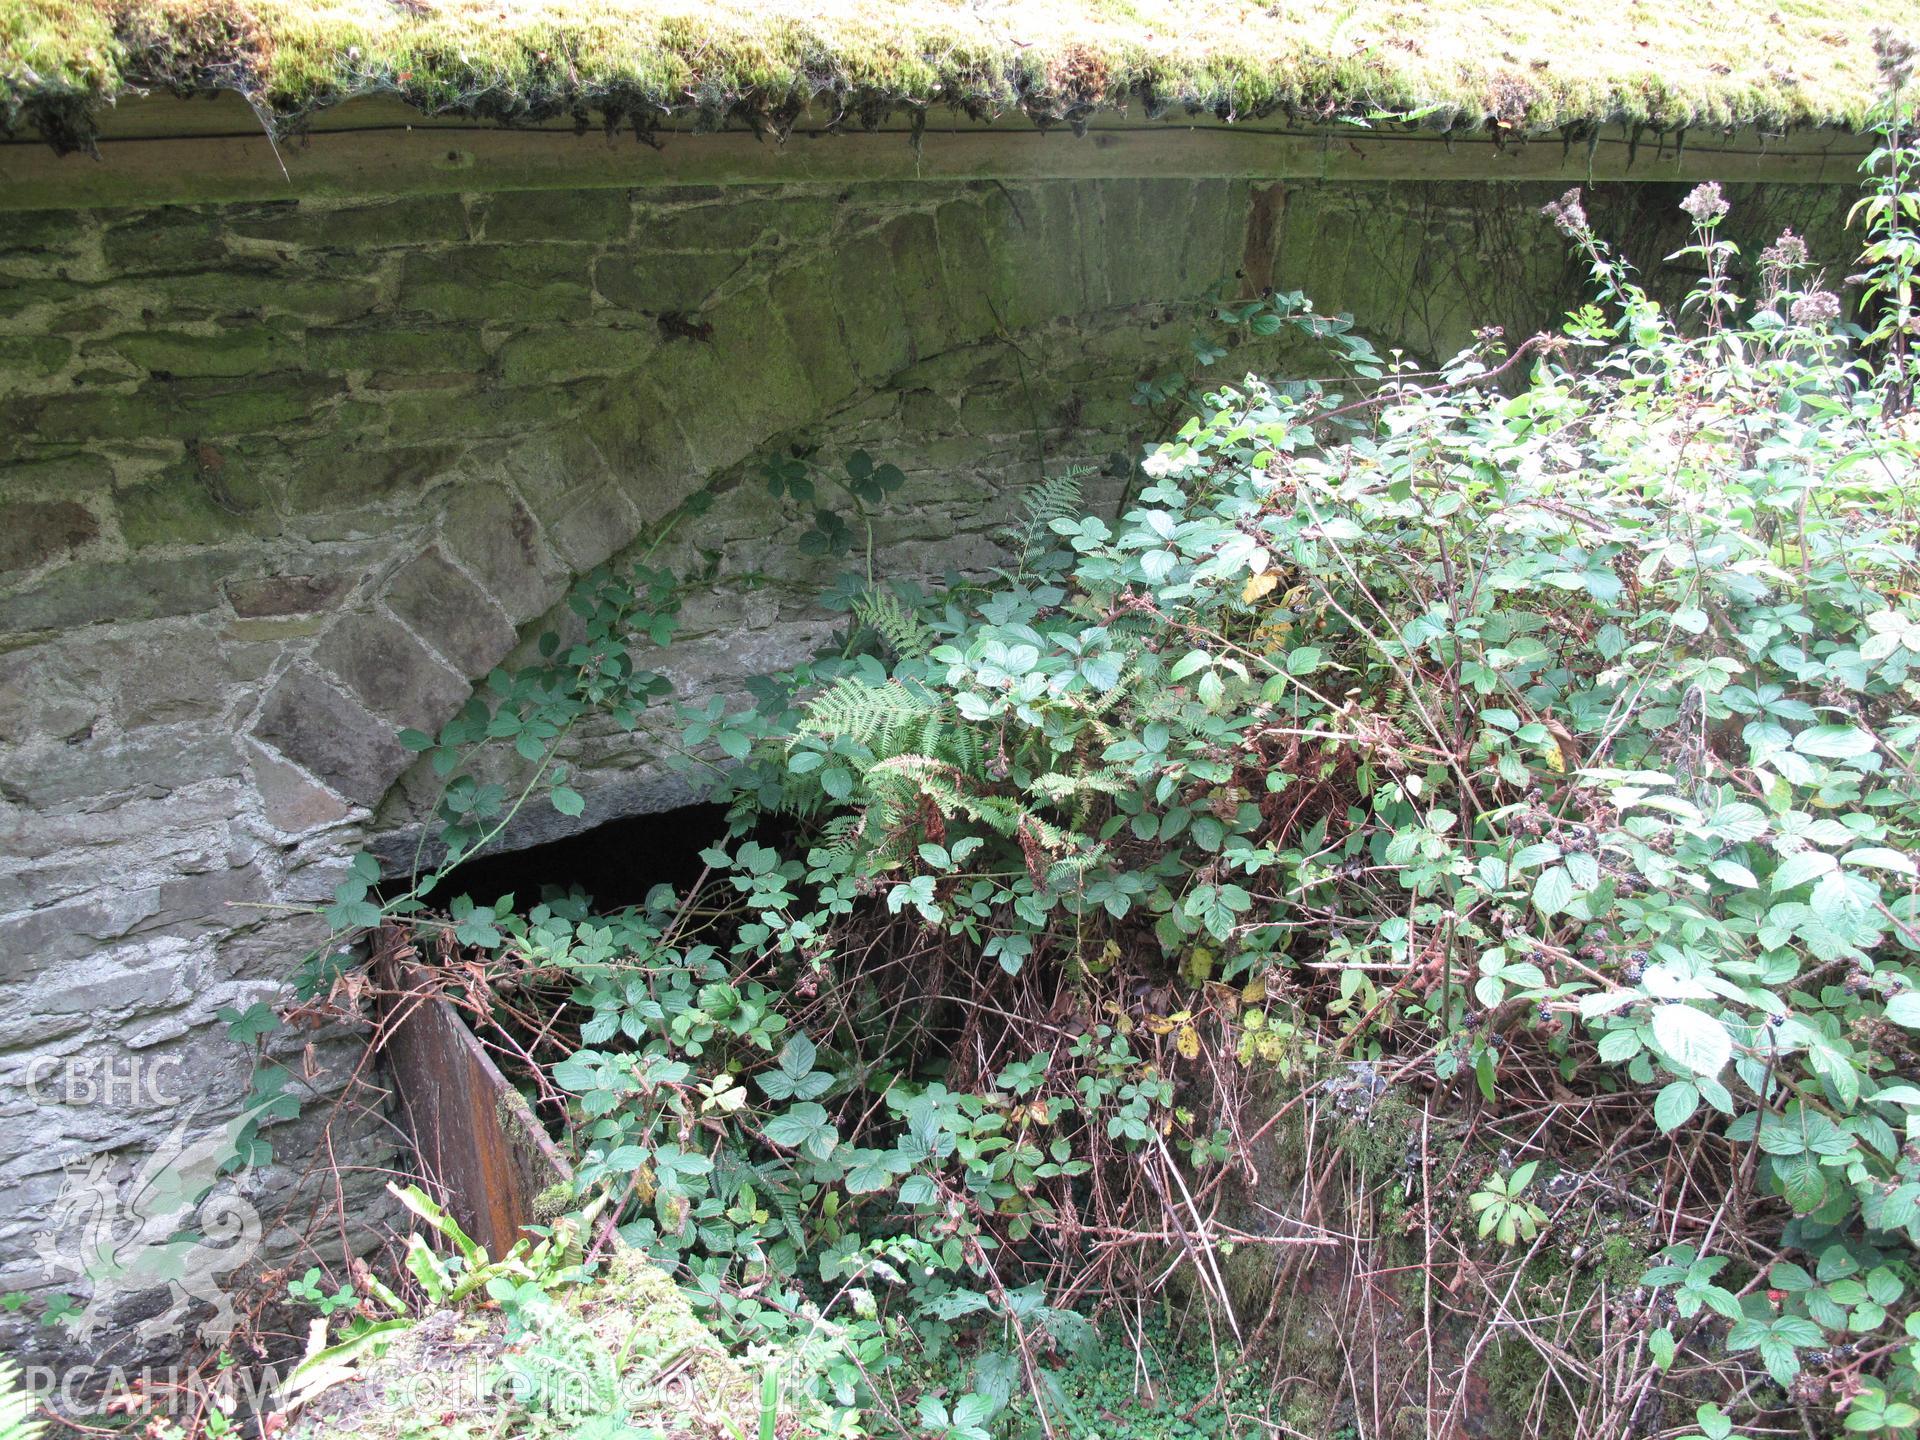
482 1151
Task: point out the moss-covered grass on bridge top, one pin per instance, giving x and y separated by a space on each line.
1532 65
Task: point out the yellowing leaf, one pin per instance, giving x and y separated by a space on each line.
1187 1042
1550 752
1255 992
1259 587
1271 635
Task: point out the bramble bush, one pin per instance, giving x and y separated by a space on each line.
1557 740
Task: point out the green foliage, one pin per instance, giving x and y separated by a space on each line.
309 1288
1566 733
1504 1212
532 709
1144 1385
1890 212
1621 704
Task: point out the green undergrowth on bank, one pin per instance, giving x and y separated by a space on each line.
1526 68
1422 895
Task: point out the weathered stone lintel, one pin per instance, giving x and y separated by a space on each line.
161 151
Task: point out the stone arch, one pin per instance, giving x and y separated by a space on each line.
922 284
414 551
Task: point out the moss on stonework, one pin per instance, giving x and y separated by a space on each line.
1536 65
553 1202
1515 1375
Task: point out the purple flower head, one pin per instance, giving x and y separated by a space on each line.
1567 212
1705 203
1817 308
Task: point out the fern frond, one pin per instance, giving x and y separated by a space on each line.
869 714
909 778
777 1185
1059 786
898 624
839 838
567 1371
1053 837
731 1174
16 1406
1079 789
1112 696
1064 872
1050 500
